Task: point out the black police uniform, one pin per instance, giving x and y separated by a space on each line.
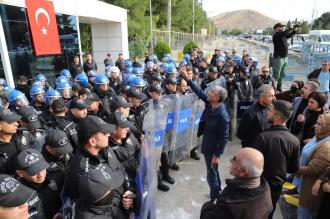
49 191
108 162
8 152
102 113
60 163
128 153
136 115
39 109
115 85
45 118
203 72
69 127
105 97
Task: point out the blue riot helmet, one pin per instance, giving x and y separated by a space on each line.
163 67
127 78
101 79
39 84
167 55
138 82
37 93
182 63
91 76
41 77
52 95
3 83
128 70
237 59
255 62
101 83
128 63
171 71
82 80
221 59
186 57
7 89
61 79
166 59
65 89
17 99
66 73
154 59
137 71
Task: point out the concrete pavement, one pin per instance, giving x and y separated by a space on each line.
190 191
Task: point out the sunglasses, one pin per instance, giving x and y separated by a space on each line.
265 71
324 64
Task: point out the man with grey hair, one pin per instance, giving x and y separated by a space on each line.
214 126
247 195
300 104
279 147
254 120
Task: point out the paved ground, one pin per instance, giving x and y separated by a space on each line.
186 196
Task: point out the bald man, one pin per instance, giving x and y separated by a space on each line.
247 195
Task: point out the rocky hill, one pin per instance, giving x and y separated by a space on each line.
245 20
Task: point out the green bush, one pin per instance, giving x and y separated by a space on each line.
189 46
161 48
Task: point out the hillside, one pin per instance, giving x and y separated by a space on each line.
245 20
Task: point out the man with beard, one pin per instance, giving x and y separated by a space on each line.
279 147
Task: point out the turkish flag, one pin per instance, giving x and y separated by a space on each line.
43 27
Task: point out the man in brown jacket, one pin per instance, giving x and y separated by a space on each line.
247 195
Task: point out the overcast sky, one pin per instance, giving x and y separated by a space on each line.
278 9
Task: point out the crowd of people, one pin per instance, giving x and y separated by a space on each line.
73 150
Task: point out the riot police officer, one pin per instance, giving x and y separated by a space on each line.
211 76
125 145
57 149
11 143
61 122
95 108
114 78
102 89
31 128
94 156
137 111
33 171
37 96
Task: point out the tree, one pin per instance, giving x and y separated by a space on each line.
235 32
323 22
189 46
161 48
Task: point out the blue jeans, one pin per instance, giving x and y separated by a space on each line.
304 213
213 177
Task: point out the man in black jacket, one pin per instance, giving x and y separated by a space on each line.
280 57
90 64
255 120
279 147
247 195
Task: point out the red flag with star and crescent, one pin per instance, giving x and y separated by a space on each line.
43 27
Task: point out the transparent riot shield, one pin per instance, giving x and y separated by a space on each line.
161 110
180 148
146 178
198 108
241 107
171 103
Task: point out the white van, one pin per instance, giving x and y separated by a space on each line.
321 36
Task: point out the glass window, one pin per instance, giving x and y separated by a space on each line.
2 72
22 57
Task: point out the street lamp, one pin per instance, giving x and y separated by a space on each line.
152 41
193 24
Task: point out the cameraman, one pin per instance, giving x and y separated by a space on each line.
280 58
